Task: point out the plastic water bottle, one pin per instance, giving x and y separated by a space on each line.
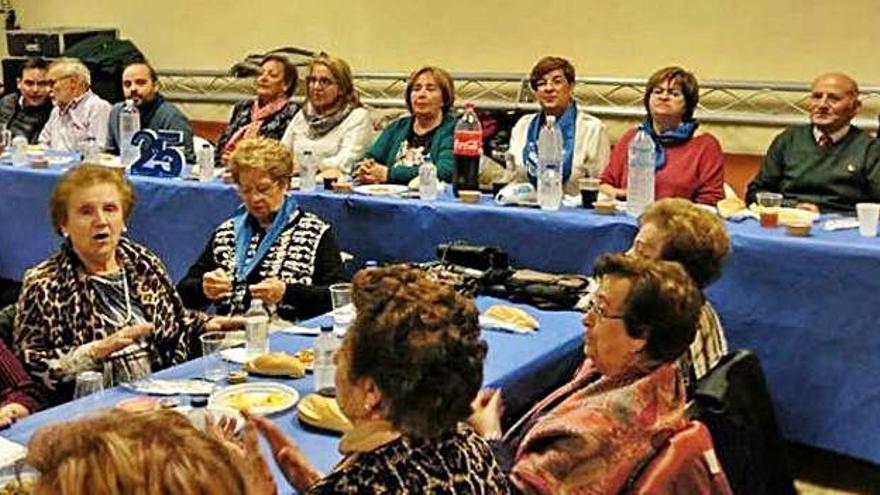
205 162
640 174
256 328
467 141
326 345
19 152
307 172
428 180
129 124
549 166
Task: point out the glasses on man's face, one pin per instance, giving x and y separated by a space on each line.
262 189
321 82
595 309
53 82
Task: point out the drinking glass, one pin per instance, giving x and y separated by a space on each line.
769 203
212 344
343 309
88 383
868 214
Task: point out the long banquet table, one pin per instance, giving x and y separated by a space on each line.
808 307
522 366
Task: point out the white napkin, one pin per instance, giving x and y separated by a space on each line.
10 452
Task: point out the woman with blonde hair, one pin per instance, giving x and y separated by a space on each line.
270 249
332 125
152 453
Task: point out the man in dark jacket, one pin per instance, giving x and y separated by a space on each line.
141 85
26 112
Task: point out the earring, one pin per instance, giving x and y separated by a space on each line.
124 229
65 235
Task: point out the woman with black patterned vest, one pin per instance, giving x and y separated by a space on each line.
270 249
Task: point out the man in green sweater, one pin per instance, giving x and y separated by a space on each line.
828 165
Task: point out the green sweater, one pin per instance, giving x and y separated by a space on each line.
386 149
837 178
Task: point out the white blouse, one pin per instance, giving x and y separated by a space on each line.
340 148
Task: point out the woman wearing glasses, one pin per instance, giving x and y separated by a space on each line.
270 250
332 124
687 163
584 139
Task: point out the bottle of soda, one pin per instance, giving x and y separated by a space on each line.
549 165
129 124
468 141
257 328
640 174
427 180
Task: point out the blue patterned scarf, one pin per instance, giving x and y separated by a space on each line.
244 231
672 137
566 125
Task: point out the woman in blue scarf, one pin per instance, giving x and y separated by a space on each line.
584 139
688 164
270 249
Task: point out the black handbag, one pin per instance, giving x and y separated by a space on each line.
470 256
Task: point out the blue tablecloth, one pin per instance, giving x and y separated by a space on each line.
807 306
522 366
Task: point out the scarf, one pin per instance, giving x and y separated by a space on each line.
566 125
258 115
244 231
670 137
319 125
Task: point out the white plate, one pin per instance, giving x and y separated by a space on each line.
380 189
157 386
253 397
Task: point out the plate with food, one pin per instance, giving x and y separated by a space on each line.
322 412
380 189
789 215
276 364
256 398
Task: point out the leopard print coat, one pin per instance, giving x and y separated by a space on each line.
57 313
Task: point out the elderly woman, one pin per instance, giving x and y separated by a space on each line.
332 125
138 453
592 432
688 164
267 115
675 229
19 395
426 133
271 249
407 371
102 302
585 145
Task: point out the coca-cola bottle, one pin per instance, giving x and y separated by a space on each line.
468 142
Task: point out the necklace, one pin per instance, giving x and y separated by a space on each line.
117 320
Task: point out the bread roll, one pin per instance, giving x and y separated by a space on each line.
512 315
277 364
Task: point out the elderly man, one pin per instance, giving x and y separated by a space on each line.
26 112
141 85
829 164
79 114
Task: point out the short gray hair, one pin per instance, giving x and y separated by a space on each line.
71 67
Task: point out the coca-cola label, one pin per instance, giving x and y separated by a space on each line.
467 143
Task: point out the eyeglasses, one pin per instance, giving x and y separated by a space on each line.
321 82
593 308
263 189
556 82
51 82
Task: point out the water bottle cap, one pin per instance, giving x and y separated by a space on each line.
469 105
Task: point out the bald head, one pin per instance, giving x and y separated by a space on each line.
834 102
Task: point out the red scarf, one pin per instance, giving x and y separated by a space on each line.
258 115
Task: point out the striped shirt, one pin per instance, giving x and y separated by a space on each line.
84 117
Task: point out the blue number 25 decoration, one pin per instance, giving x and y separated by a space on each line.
158 157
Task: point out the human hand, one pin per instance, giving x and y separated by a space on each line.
225 323
808 206
612 192
486 416
216 284
270 290
120 340
290 460
244 447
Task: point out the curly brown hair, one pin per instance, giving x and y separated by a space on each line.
120 452
81 177
419 341
263 154
663 305
696 237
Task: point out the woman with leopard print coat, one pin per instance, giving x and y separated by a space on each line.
101 302
270 250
